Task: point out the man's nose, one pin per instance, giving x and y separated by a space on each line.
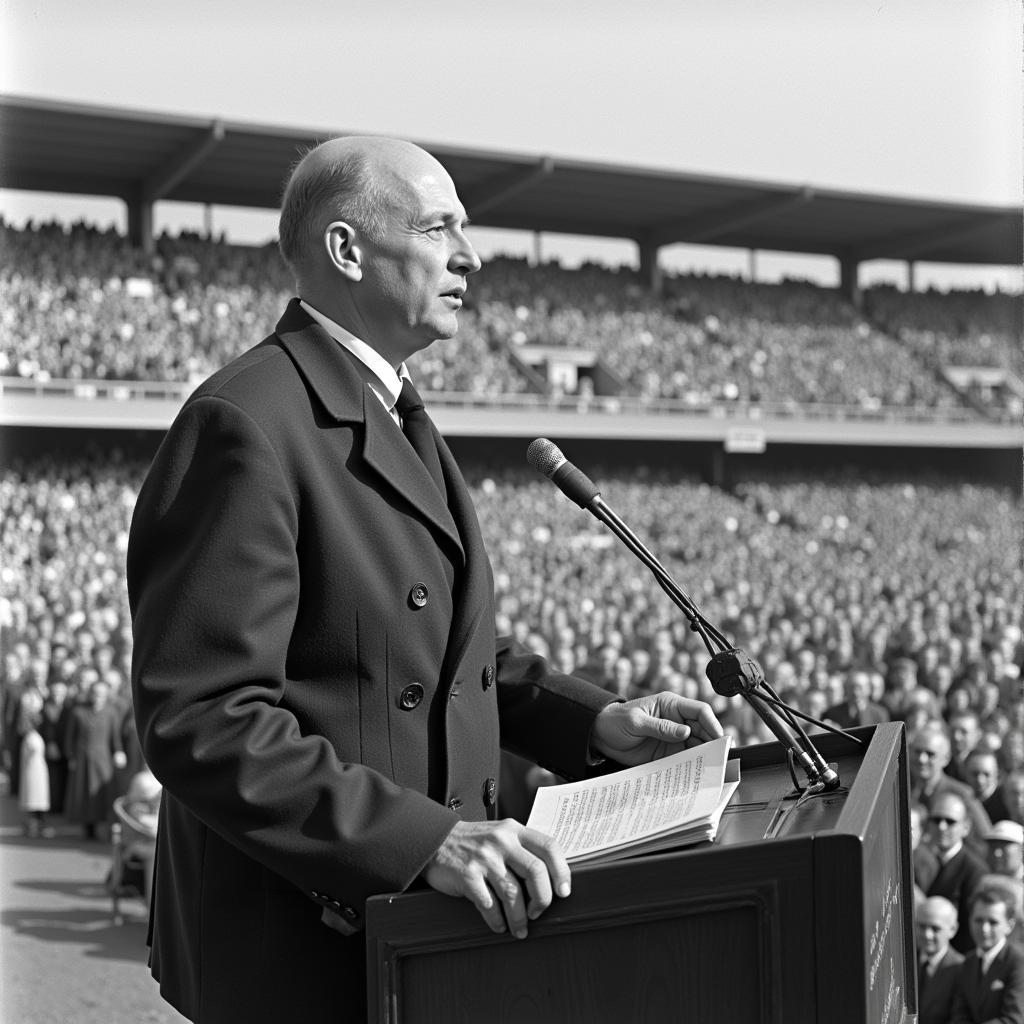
464 259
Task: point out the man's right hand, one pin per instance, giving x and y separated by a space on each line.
491 862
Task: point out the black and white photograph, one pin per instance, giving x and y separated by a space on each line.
512 514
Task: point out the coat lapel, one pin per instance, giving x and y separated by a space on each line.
332 375
477 593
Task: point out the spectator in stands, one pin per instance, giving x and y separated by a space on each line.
94 752
53 729
964 734
990 982
928 756
34 792
1005 842
959 867
857 707
981 771
139 811
938 964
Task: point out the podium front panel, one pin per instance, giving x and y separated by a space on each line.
811 924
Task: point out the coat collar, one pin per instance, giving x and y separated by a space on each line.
338 380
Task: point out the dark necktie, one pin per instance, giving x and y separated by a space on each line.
416 427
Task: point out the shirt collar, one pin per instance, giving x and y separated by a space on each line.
390 378
987 958
949 854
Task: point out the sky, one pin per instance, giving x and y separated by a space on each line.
915 98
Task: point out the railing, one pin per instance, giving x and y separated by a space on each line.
177 392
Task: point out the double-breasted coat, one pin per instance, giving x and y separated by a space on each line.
317 681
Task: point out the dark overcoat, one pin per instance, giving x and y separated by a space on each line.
317 681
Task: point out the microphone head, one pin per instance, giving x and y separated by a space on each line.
544 456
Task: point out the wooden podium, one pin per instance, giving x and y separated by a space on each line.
795 914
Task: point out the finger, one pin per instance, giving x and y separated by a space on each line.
479 893
664 730
535 879
510 898
549 853
707 725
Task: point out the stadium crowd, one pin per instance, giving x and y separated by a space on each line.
865 597
83 304
911 582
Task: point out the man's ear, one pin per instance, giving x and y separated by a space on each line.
345 255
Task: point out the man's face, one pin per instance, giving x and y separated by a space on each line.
947 824
859 688
1005 858
989 923
983 774
929 754
934 929
414 277
964 733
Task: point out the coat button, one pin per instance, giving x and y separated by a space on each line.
488 676
490 792
455 803
349 913
418 595
410 697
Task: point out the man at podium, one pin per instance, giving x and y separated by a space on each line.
317 680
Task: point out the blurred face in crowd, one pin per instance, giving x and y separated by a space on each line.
983 773
947 822
816 703
929 754
623 676
99 693
964 732
858 689
990 923
936 923
1004 857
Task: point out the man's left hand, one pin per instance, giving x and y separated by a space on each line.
652 726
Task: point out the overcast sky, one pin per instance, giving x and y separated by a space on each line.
908 98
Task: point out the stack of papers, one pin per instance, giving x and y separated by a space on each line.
672 802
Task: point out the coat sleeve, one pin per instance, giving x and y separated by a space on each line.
547 716
214 587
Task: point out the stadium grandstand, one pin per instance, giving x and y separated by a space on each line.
833 473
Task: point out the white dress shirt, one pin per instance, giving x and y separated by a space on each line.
390 379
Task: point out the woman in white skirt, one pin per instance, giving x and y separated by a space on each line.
34 794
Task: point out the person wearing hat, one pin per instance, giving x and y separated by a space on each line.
1005 842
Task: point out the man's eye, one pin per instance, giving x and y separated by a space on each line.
437 229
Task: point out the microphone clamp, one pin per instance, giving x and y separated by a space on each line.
734 671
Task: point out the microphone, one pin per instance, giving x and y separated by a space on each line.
546 458
730 671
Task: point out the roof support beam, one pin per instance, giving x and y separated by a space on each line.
174 171
915 245
496 190
706 227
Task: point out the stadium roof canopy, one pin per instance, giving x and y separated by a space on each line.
143 157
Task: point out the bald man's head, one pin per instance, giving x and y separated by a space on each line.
937 921
357 179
